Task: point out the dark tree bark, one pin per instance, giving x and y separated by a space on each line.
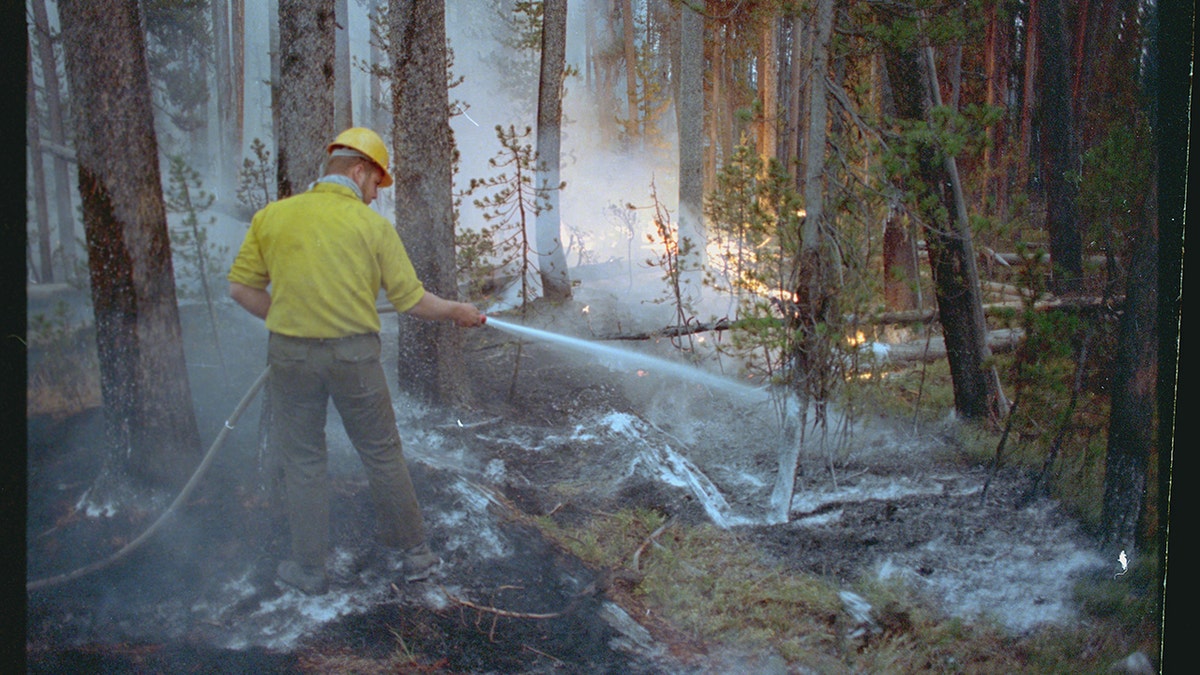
951 254
64 210
238 67
1059 152
900 271
147 403
431 354
552 258
996 71
1134 394
305 87
1028 86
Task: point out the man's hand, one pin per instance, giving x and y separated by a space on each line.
434 308
467 316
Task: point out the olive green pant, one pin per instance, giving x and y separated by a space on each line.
305 374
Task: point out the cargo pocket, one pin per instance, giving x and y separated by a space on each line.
286 352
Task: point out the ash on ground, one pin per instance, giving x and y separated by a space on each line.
559 434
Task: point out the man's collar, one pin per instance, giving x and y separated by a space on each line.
339 179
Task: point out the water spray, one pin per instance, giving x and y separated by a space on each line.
631 358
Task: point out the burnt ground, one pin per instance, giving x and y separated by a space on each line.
573 436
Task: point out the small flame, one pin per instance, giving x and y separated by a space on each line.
641 373
587 309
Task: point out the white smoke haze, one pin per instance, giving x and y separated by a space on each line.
674 437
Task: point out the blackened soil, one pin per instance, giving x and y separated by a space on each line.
535 608
201 597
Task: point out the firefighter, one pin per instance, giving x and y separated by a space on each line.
312 266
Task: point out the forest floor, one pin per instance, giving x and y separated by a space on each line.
572 437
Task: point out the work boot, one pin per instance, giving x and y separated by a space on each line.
420 563
308 581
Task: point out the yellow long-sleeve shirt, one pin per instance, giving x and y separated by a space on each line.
325 256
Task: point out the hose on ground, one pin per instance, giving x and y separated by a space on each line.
38 584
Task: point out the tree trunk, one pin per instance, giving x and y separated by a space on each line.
1134 393
951 254
996 66
552 258
901 277
45 267
689 111
273 48
306 85
64 210
431 355
632 124
1059 153
238 74
1028 91
795 93
343 100
768 89
148 407
228 159
377 108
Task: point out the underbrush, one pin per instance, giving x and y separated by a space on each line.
707 586
1062 450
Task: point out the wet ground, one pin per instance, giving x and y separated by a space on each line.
569 436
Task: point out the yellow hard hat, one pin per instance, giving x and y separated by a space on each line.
368 143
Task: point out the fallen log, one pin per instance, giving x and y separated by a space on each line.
999 341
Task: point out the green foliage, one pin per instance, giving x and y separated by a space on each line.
672 256
754 244
475 255
178 51
195 257
256 179
511 206
1113 187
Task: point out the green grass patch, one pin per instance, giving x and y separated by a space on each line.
717 588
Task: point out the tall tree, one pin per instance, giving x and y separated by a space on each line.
689 118
306 85
147 403
179 50
632 127
552 258
1134 391
431 355
936 196
228 150
45 266
1059 151
64 209
767 80
343 109
237 32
